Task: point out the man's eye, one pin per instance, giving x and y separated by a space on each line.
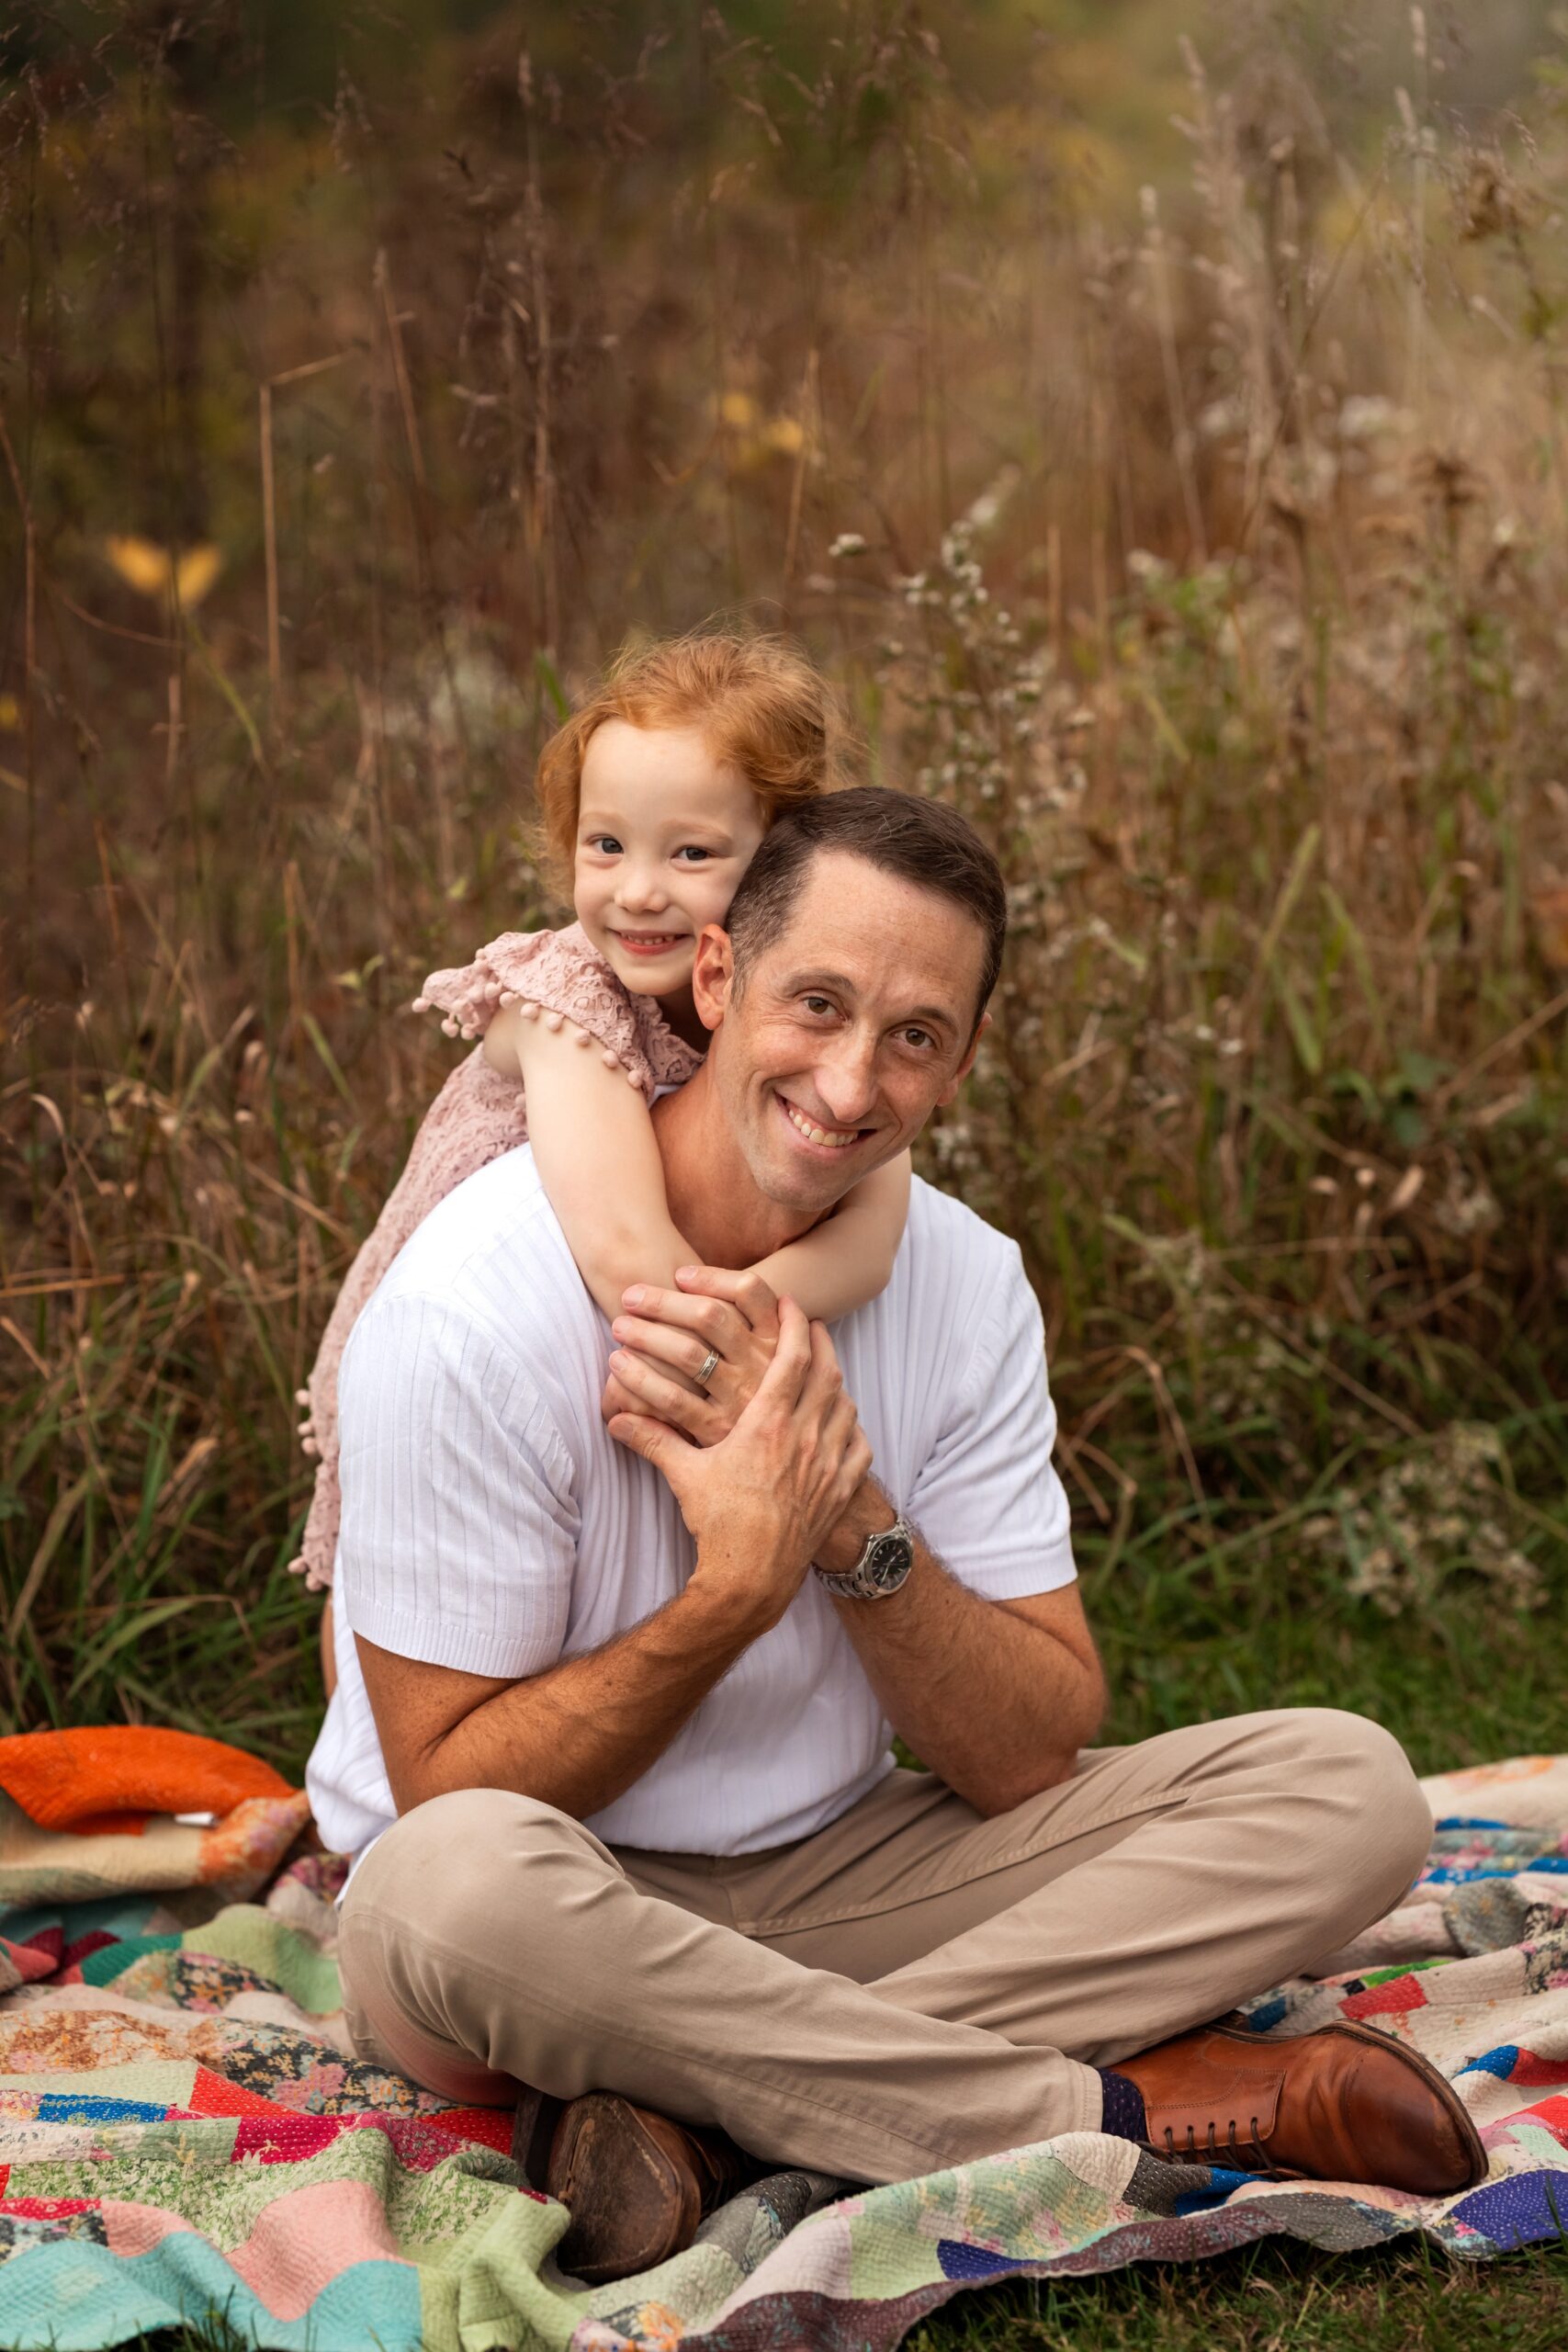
817 1003
920 1037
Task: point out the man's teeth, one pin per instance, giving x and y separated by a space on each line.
819 1135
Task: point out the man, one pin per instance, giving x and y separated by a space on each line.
614 1706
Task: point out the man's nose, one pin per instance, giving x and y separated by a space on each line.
846 1079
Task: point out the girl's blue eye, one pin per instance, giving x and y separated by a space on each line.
607 844
696 855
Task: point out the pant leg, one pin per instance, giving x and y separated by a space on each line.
487 1940
1177 1879
907 1868
1262 1833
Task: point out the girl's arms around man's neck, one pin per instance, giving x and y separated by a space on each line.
600 1163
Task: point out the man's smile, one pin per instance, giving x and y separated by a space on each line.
824 1138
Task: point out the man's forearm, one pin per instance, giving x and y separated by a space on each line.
999 1706
579 1734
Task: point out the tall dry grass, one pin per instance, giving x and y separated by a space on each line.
1204 543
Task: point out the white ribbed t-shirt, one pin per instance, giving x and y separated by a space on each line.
490 1522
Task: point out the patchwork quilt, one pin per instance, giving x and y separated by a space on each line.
186 2135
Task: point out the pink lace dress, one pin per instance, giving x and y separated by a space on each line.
478 1114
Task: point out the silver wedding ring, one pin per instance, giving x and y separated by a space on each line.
707 1367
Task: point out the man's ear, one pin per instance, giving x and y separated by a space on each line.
966 1065
712 974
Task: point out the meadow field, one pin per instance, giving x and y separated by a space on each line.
1155 419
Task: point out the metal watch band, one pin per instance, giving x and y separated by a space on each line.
888 1557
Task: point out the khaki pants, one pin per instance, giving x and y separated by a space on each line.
913 1987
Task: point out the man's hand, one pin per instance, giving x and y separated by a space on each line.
665 1336
761 1500
742 1314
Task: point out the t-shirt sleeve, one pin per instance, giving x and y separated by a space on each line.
989 1500
459 1531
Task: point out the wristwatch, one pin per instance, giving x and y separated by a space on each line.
881 1568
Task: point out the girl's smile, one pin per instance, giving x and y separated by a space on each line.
649 943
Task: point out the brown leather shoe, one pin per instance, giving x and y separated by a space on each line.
636 2184
533 2129
1346 2103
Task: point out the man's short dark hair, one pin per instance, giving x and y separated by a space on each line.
919 841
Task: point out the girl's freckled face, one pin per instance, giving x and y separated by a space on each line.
665 833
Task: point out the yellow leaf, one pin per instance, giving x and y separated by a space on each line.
738 408
139 564
785 435
10 711
195 573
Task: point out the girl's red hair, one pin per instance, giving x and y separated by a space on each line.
762 706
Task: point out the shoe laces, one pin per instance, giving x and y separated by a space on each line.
1213 2146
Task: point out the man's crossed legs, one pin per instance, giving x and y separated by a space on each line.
913 1987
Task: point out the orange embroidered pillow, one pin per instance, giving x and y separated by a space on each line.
111 1776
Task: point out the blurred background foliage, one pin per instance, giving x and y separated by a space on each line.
1153 418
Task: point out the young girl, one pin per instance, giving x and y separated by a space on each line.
654 798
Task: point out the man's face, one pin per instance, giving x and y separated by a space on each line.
846 1034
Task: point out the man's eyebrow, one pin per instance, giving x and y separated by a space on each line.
939 1016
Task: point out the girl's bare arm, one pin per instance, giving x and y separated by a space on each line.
848 1259
596 1153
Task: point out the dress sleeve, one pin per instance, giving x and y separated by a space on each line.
555 970
559 971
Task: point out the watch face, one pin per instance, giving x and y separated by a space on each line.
891 1556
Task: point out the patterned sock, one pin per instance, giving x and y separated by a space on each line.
1123 2106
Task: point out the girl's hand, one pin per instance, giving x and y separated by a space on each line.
671 1332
